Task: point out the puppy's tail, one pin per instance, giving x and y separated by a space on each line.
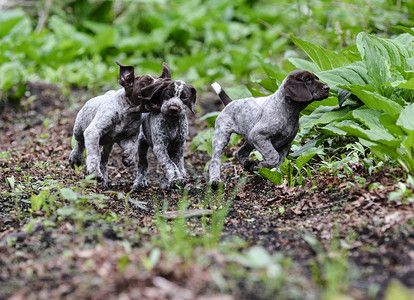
221 93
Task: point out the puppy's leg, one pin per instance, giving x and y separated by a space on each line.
168 166
106 152
242 155
177 156
263 144
76 156
129 147
220 141
140 180
283 152
93 156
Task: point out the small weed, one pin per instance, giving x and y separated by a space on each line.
404 192
330 269
5 155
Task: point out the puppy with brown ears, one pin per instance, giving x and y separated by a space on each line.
115 117
268 124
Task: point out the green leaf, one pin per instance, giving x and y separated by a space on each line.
302 160
272 70
381 150
379 54
405 84
355 73
68 194
210 118
203 141
373 99
342 96
390 123
11 182
406 118
326 115
9 19
269 84
352 128
36 201
406 29
273 175
324 59
397 291
12 74
331 130
300 63
377 135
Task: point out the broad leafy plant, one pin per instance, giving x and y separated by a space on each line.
374 82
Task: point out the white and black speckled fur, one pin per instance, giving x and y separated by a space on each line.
166 133
268 124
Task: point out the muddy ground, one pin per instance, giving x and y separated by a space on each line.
56 262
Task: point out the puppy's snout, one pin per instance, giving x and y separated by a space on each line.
174 108
325 88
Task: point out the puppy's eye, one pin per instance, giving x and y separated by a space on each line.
307 79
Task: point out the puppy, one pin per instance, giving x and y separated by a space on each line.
166 131
114 117
268 124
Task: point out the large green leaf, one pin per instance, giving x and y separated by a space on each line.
210 118
405 84
269 84
373 99
379 55
406 118
300 63
355 73
325 115
376 135
406 29
352 128
324 59
371 119
380 150
389 122
8 19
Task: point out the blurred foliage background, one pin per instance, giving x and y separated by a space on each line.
76 42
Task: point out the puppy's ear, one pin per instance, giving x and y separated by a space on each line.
153 93
166 72
126 75
191 104
296 90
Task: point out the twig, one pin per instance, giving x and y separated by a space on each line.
43 16
186 213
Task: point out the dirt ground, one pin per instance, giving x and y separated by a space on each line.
377 233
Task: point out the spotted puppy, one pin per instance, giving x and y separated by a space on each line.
268 124
165 131
115 117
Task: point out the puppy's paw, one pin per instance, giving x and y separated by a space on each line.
75 160
178 182
173 183
99 177
140 184
251 165
216 183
